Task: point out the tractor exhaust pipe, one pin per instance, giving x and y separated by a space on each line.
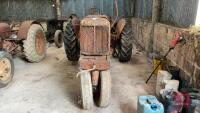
116 12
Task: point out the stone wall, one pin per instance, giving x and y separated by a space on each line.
186 57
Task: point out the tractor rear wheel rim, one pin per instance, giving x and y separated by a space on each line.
39 42
5 69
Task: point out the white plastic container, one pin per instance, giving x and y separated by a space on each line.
161 78
171 84
197 109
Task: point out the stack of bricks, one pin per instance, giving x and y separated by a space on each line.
186 57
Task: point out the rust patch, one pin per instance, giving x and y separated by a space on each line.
95 35
39 42
95 77
101 62
24 28
76 24
8 45
120 26
5 30
95 20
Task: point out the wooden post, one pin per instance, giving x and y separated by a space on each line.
57 8
156 11
134 8
155 19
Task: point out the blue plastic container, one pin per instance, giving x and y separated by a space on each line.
149 104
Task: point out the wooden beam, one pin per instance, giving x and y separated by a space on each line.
155 19
57 8
156 11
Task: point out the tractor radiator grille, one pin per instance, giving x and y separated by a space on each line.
95 40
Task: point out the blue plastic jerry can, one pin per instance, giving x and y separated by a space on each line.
149 104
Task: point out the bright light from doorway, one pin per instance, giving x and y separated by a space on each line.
198 15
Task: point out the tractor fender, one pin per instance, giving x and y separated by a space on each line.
120 26
75 23
24 28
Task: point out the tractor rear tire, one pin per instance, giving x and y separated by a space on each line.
71 43
35 44
6 68
103 93
86 91
58 38
126 46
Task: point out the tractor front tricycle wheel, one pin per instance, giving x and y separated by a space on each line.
103 93
86 90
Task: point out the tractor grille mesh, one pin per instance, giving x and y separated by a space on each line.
95 40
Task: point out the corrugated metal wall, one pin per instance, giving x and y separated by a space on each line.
180 13
24 9
28 9
143 9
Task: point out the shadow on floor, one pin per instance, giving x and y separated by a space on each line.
128 108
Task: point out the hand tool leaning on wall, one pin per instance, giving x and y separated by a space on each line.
178 38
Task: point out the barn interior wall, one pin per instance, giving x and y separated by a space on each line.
19 10
179 13
175 15
184 56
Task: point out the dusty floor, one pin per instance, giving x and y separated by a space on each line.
51 86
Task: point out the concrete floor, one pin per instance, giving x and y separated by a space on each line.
51 87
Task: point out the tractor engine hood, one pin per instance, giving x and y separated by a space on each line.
95 20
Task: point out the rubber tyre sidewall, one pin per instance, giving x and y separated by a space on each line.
104 89
126 45
30 44
56 38
6 55
71 43
86 91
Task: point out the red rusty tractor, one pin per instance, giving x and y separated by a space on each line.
28 39
89 41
